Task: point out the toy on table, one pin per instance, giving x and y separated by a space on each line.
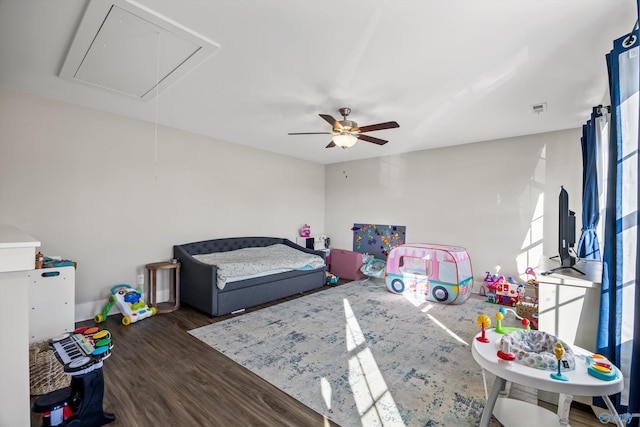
484 322
600 367
535 349
559 352
129 302
81 353
505 352
500 316
305 231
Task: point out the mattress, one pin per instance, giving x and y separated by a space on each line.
241 264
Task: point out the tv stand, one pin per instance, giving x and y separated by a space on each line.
566 263
553 270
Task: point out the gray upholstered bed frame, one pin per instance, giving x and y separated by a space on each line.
198 287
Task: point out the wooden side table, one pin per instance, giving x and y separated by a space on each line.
174 286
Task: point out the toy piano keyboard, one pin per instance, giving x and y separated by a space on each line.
82 350
600 367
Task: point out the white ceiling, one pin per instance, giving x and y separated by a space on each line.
448 71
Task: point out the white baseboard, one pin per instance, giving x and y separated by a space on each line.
88 310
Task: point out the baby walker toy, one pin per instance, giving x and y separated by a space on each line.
81 352
129 302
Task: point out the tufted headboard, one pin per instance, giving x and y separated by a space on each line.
230 244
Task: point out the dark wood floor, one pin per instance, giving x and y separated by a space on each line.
159 375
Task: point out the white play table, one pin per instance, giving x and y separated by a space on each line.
511 412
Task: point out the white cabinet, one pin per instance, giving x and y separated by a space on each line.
51 302
569 302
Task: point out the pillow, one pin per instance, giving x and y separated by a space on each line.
536 349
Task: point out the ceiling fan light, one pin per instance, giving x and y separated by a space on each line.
344 140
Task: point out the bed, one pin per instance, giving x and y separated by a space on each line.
218 289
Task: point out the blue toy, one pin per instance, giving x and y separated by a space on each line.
332 279
600 367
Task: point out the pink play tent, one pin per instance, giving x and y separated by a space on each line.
440 273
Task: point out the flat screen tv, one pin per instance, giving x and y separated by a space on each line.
566 230
566 234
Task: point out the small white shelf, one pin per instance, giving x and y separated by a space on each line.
512 412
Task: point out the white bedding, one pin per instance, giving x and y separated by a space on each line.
249 262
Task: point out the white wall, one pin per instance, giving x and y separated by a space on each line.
87 185
498 199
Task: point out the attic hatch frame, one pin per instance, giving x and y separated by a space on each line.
183 50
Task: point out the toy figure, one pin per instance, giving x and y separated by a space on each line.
484 322
559 352
332 279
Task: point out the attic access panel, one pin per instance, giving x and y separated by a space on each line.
130 49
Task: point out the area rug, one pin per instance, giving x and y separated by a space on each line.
363 356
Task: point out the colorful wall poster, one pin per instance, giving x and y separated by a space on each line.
377 239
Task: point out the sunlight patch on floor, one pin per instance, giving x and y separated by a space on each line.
354 333
325 391
447 330
370 392
413 299
427 308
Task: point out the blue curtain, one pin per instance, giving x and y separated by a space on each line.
618 335
588 246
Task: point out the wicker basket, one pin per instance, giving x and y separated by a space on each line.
45 372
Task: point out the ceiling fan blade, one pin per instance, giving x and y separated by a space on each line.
331 144
333 122
310 133
372 139
379 126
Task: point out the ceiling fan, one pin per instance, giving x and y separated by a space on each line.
346 132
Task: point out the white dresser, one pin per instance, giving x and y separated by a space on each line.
17 257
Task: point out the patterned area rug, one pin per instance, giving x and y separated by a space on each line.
363 356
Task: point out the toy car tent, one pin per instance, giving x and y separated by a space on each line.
430 272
